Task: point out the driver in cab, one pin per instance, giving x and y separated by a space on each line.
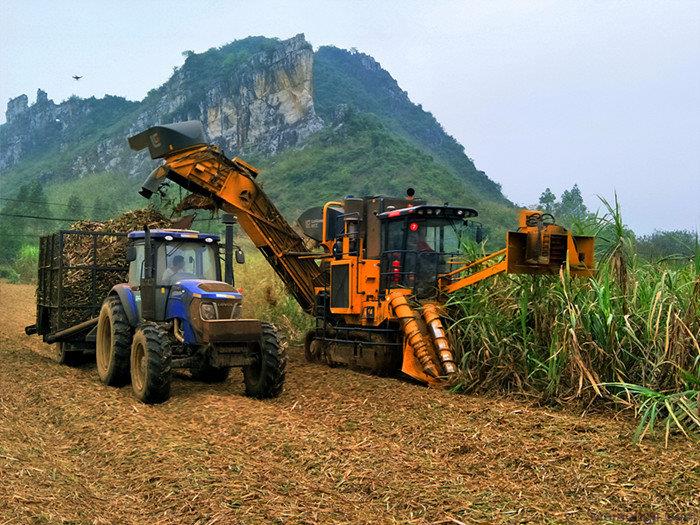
174 272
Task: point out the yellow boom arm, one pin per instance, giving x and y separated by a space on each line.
538 247
231 184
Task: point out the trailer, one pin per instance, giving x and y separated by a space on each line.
67 310
148 302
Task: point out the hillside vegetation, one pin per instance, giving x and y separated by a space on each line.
356 80
359 156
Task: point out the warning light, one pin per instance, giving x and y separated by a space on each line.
395 271
413 226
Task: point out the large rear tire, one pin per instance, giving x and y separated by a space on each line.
265 377
204 371
113 343
151 369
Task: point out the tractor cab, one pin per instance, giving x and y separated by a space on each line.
420 243
178 255
174 269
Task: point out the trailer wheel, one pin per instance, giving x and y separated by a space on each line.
66 354
113 343
265 377
206 372
151 364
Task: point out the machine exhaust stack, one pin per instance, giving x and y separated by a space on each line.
229 220
148 281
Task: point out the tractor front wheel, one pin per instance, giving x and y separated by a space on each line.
264 378
151 364
113 343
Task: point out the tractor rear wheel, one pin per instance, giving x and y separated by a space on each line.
151 369
206 372
265 377
113 343
66 354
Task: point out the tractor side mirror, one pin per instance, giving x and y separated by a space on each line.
479 234
240 256
130 253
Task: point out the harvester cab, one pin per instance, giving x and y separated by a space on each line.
175 311
419 244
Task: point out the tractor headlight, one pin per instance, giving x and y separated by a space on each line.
207 311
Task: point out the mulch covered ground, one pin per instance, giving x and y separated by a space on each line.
337 446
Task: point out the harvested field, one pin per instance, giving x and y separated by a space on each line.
337 446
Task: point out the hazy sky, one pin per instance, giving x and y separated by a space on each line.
605 94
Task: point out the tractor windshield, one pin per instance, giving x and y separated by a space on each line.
177 260
416 250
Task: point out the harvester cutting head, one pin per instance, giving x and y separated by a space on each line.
540 246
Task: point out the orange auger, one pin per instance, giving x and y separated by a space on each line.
407 316
431 314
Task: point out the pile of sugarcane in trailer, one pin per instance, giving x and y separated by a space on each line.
387 266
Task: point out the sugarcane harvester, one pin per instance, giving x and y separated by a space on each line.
378 287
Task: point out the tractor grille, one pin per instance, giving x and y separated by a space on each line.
228 309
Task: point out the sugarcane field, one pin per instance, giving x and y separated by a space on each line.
448 276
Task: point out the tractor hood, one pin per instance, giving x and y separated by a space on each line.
207 289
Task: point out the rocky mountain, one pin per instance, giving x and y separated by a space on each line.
295 112
258 99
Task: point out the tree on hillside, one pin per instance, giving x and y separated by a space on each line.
15 231
37 198
662 244
547 201
570 208
98 209
571 205
75 209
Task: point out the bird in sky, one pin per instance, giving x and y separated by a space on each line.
76 77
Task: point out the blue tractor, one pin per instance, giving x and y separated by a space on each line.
175 311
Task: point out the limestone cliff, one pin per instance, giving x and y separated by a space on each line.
251 98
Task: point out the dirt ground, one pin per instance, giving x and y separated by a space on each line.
336 447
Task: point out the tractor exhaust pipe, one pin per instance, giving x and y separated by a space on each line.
148 281
229 220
